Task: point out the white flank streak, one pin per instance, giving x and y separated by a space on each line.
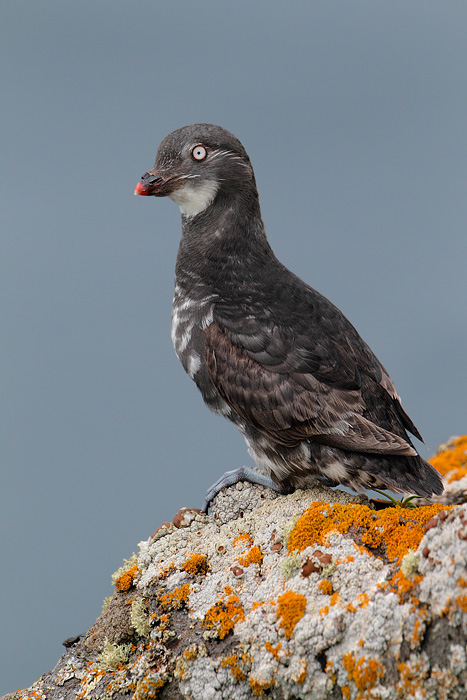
193 199
186 304
174 327
207 320
194 363
223 409
185 339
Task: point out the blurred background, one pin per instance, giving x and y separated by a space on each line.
354 116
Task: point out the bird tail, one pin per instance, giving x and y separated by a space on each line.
408 475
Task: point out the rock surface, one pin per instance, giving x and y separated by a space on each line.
315 595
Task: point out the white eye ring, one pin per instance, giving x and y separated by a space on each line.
199 153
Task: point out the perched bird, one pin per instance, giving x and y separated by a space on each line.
266 350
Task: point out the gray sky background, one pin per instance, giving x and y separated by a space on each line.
354 115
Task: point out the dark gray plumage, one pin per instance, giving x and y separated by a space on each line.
266 350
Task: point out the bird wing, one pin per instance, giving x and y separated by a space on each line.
291 389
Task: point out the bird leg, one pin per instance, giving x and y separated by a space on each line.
242 474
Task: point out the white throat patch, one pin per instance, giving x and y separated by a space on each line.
193 199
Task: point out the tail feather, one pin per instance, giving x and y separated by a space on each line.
408 475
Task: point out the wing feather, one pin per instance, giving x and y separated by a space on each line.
283 391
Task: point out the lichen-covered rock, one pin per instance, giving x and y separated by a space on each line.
451 461
315 595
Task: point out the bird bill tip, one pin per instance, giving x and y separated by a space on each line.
141 189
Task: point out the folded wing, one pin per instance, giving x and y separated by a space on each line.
291 388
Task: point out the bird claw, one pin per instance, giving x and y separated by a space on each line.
242 474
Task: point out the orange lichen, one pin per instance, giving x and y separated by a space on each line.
236 666
257 604
196 564
91 676
363 600
175 599
335 598
160 620
325 587
329 669
461 601
148 688
274 651
126 580
324 611
365 673
290 609
451 462
393 530
412 678
419 628
299 677
191 653
259 687
462 583
447 608
243 539
223 615
165 572
404 585
253 556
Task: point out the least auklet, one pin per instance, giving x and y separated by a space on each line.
266 350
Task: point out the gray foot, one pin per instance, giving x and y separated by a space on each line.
241 474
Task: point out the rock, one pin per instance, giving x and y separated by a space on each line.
315 595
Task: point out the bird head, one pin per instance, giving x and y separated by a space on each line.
194 165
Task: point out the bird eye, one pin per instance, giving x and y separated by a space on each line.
199 153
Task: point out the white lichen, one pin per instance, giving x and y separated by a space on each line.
106 602
113 655
288 527
409 564
289 565
139 617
